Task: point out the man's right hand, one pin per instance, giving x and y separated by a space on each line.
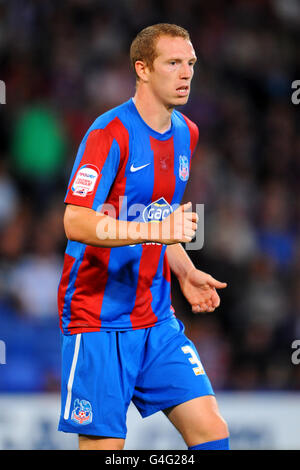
179 227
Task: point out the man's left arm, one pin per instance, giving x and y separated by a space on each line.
198 287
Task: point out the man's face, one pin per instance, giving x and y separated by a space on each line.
172 71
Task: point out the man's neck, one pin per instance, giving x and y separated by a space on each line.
155 114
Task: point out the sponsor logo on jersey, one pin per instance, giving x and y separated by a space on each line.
85 180
82 412
157 211
183 168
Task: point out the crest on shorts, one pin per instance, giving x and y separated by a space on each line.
82 412
184 168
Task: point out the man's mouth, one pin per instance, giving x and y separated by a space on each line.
183 90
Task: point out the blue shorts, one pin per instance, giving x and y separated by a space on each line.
102 372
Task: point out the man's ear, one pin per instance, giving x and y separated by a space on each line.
142 70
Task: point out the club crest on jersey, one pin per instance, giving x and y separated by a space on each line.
85 180
184 168
82 412
157 211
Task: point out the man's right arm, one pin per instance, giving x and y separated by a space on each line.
97 229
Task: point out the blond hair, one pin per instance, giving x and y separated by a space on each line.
143 47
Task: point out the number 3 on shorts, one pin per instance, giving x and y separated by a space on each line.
193 360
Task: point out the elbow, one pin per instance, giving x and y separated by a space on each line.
71 232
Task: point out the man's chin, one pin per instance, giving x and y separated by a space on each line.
181 100
178 101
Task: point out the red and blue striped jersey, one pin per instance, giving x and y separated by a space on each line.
140 174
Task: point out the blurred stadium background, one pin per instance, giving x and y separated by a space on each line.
66 62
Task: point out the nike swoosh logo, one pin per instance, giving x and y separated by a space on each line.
137 168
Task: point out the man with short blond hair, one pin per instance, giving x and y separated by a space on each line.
125 225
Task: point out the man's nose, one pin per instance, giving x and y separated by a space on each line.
185 71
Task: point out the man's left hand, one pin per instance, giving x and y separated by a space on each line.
199 289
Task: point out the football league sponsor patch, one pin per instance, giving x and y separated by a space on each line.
85 180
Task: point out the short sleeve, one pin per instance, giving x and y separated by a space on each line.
94 170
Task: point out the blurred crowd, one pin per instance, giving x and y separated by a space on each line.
66 62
